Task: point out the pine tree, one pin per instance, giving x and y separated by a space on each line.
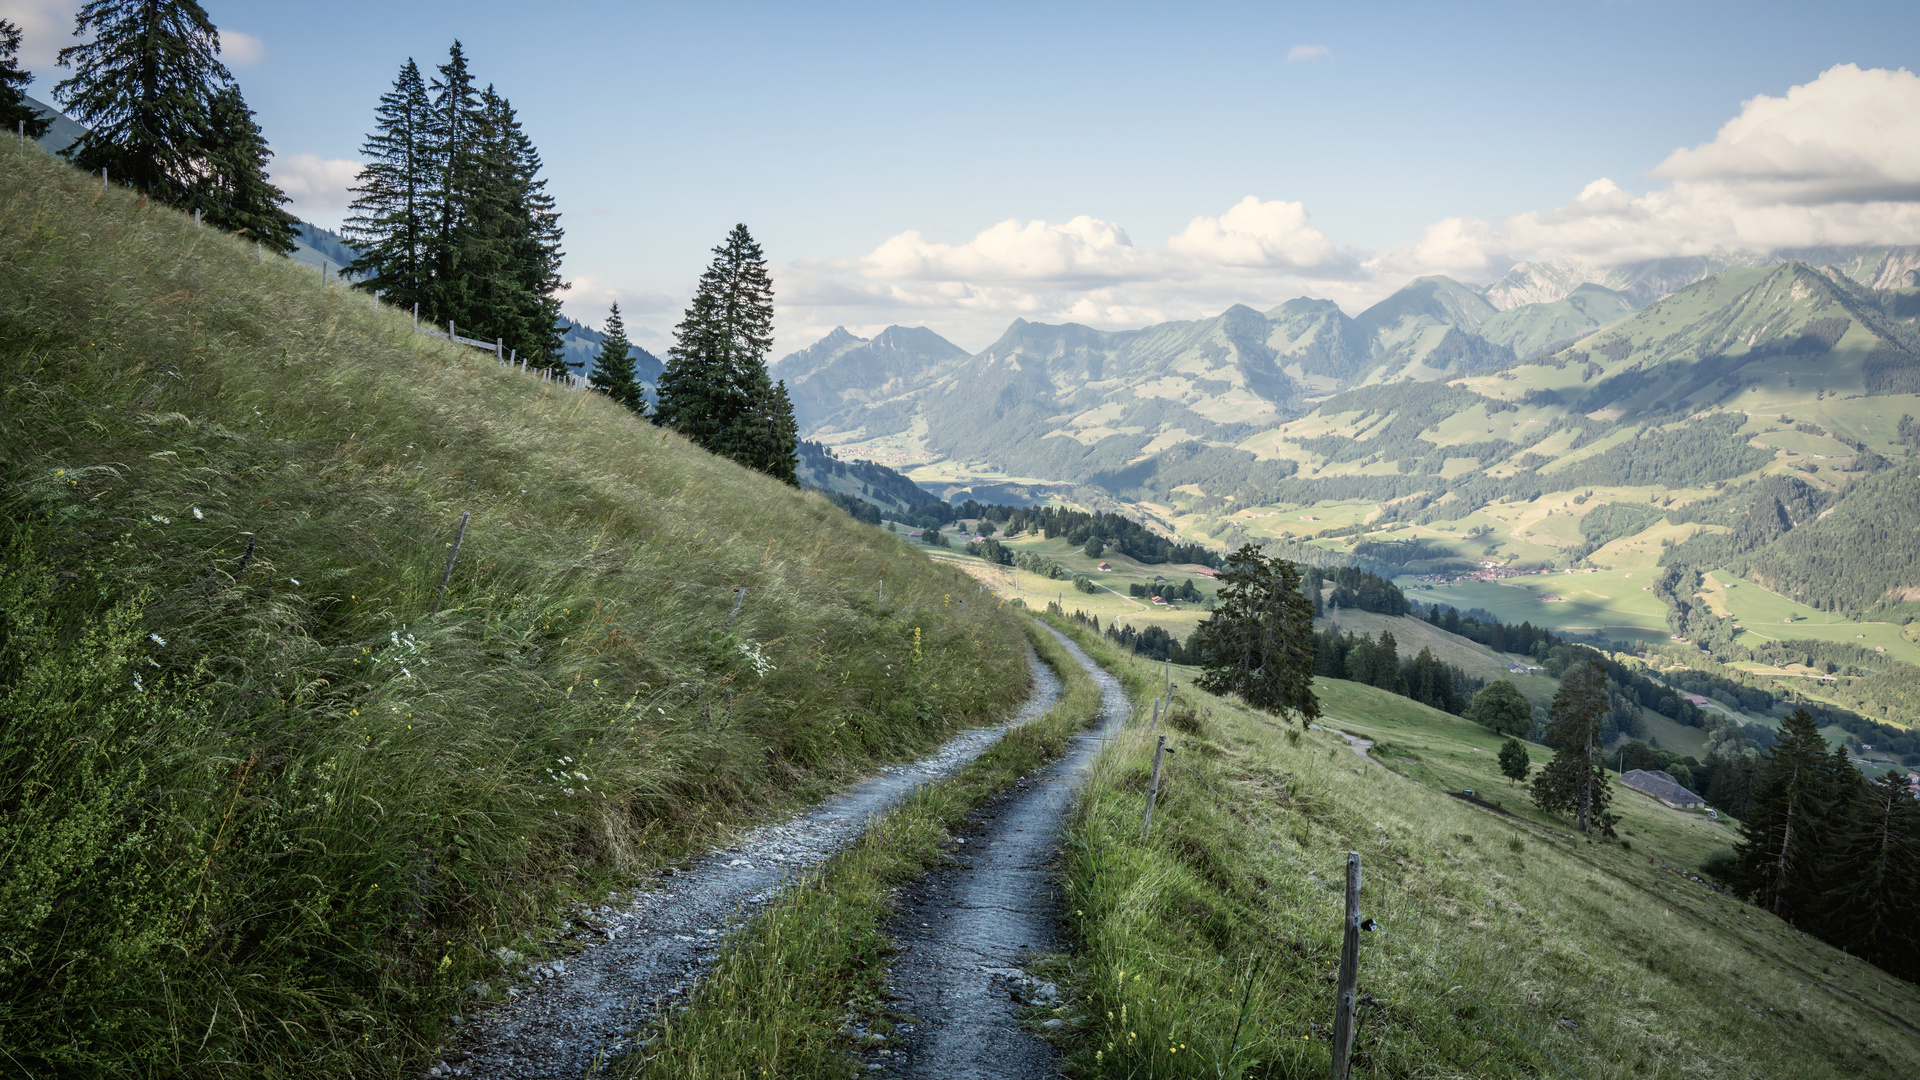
1873 905
535 255
391 216
1787 830
1575 781
613 373
234 193
1258 643
715 389
144 83
1514 762
14 110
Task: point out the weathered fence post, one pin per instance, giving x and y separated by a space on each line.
458 538
323 269
103 179
499 346
453 333
1153 789
1349 972
880 591
416 316
739 594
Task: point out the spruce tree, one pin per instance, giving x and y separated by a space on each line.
1258 643
391 218
1575 781
452 131
715 389
234 193
613 373
14 110
144 82
535 252
1872 905
1787 831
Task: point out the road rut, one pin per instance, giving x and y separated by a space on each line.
968 930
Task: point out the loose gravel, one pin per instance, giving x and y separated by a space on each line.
570 1016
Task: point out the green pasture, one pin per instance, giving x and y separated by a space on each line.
1768 616
1610 602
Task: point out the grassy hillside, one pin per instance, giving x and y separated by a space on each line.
1504 948
267 799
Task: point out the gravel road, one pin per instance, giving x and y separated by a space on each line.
968 930
652 943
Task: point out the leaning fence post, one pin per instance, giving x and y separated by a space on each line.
1349 972
103 179
451 555
739 594
1153 789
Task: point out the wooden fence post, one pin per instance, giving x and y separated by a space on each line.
458 538
1153 789
1349 972
739 594
499 346
416 316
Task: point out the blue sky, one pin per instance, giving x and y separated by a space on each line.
833 130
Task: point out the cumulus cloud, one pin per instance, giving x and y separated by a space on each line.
316 185
1303 53
46 27
1084 249
1256 235
1835 161
241 50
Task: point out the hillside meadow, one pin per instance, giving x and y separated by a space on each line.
274 782
1506 945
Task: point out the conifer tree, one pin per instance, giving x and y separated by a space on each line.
715 389
143 82
1575 781
613 373
1787 831
453 122
14 110
1872 906
391 216
1258 643
234 193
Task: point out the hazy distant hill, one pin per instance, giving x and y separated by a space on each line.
841 377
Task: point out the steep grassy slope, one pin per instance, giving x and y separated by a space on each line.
1503 949
267 798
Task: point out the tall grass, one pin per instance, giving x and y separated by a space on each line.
263 810
1211 950
792 985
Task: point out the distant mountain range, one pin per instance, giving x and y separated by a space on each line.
1674 378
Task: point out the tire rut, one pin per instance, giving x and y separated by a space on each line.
652 943
967 931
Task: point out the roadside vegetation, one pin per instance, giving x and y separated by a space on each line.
269 797
1506 945
798 986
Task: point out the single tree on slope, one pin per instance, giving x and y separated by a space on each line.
715 388
1258 643
1575 781
613 372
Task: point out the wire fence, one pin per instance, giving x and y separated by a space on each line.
1336 895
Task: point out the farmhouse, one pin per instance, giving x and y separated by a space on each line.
1662 787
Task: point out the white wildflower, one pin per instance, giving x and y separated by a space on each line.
197 515
158 640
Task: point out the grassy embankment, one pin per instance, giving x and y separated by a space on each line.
264 810
776 1003
1615 960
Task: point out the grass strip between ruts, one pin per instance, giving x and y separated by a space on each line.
776 1002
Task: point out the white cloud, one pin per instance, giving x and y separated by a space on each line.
241 50
1304 53
1456 246
1835 161
316 184
46 27
1256 235
1084 249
